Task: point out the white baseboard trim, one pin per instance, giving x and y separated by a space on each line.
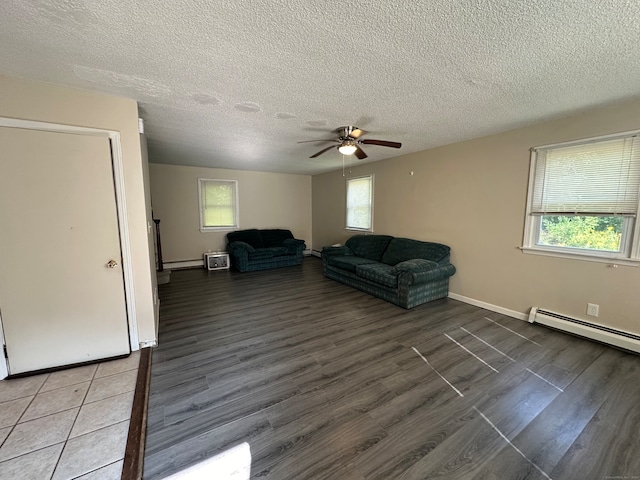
316 253
183 264
489 306
307 252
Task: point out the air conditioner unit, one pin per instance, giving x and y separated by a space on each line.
216 261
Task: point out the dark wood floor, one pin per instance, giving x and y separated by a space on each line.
323 382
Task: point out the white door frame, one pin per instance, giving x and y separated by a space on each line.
121 205
4 367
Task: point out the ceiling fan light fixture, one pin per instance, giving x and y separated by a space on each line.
347 148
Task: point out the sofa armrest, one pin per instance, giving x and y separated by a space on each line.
413 265
426 274
294 246
336 251
328 252
239 246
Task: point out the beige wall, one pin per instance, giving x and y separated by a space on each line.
472 196
266 200
28 100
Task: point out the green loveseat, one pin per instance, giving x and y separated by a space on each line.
254 249
399 270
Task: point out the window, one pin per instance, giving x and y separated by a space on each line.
360 203
218 204
584 199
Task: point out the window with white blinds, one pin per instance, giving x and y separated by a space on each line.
595 177
218 204
360 203
584 197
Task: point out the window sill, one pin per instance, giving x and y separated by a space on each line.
217 229
363 230
612 261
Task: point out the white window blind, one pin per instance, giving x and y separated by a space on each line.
359 203
598 177
218 204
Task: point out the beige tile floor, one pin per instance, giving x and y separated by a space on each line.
70 424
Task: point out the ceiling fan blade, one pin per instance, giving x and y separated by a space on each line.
360 153
320 140
322 151
382 143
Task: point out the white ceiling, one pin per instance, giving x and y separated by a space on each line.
235 84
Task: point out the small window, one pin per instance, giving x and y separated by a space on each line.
584 198
360 203
218 204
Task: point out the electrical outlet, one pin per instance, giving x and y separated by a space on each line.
593 309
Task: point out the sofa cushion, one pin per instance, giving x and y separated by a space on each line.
278 251
348 262
413 265
251 236
275 237
261 254
379 273
401 249
368 246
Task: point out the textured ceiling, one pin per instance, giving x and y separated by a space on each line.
235 84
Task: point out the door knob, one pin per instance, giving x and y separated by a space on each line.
112 264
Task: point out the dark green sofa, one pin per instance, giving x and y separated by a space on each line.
399 270
254 249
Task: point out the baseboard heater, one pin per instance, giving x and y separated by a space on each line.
594 331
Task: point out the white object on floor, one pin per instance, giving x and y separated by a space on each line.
232 464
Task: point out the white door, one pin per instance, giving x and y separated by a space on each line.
61 302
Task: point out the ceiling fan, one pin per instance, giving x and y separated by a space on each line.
349 142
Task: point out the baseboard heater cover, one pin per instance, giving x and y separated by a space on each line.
594 331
